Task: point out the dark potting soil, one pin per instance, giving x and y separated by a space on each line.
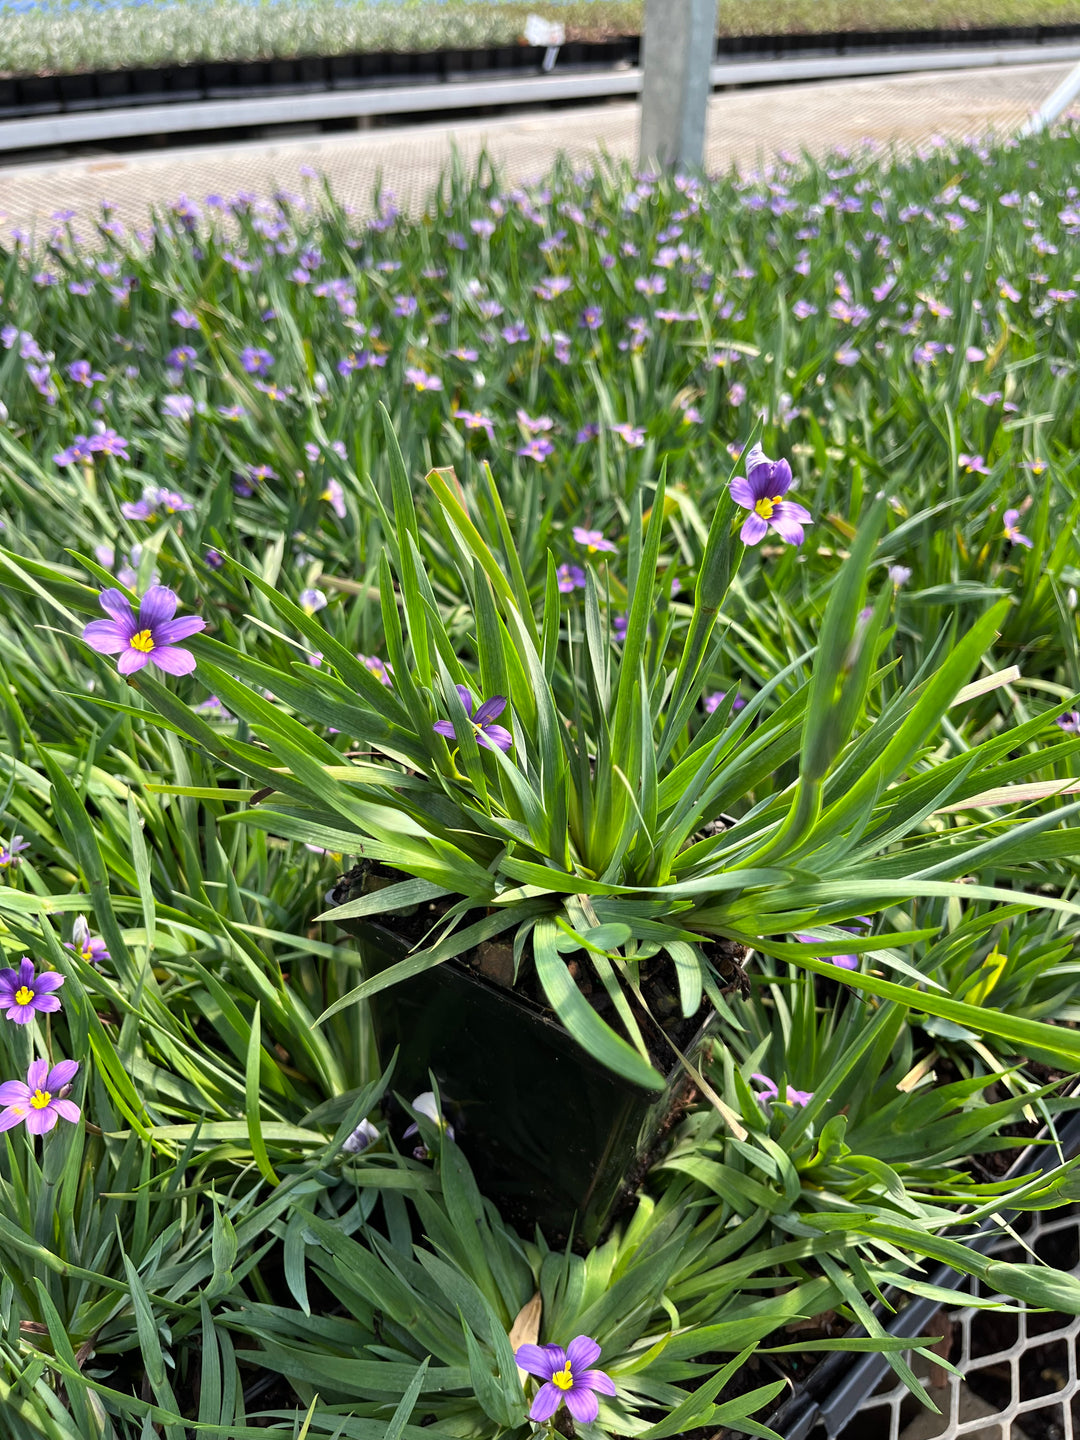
660 1018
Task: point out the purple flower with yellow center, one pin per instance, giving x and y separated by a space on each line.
81 372
150 638
1037 467
1012 532
899 575
42 1100
421 380
587 433
593 540
567 1379
9 853
762 491
334 495
771 1092
79 451
255 360
22 993
378 668
90 948
534 424
570 578
312 600
592 317
972 464
473 420
538 449
488 735
632 435
1069 722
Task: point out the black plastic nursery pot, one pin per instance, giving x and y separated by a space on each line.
554 1138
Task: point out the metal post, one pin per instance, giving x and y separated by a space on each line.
1055 104
677 51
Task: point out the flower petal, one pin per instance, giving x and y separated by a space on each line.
171 631
35 1075
781 477
47 983
490 710
40 1122
742 492
118 607
582 1352
754 530
48 1004
548 1399
542 1360
13 1091
444 727
13 1115
788 529
495 736
792 510
132 660
158 605
21 1014
68 1110
62 1073
26 972
173 659
465 696
105 636
582 1404
596 1380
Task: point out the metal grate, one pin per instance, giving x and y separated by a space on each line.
1020 1379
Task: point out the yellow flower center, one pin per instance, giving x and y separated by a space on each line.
40 1099
563 1378
143 641
23 995
765 506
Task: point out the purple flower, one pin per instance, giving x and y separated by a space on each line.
1069 722
592 317
90 948
151 638
566 1376
586 433
633 435
80 372
378 668
538 449
79 451
185 319
334 495
972 464
570 578
108 442
180 407
488 735
42 1100
593 540
312 600
899 575
426 1106
716 699
771 1093
154 501
533 425
515 334
9 853
22 993
762 492
619 626
1009 520
845 962
364 1135
475 421
256 361
421 379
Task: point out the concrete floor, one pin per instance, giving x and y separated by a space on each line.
745 126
